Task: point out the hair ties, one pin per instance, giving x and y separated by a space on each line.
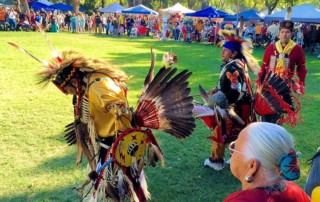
288 165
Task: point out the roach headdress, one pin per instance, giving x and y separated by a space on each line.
242 46
72 64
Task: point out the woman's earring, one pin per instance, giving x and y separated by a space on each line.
249 179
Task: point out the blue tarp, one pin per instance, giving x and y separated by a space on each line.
37 6
141 9
113 8
62 7
208 12
300 13
247 15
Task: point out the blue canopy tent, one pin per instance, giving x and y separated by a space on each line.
38 6
141 9
64 7
208 12
113 8
300 13
247 15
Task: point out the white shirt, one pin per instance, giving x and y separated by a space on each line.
12 15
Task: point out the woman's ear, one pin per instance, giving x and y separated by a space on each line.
253 167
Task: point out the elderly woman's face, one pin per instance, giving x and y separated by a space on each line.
238 164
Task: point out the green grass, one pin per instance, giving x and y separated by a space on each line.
37 165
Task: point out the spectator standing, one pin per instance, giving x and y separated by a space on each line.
90 24
2 19
44 20
12 19
82 22
299 37
116 27
67 20
74 23
199 28
97 23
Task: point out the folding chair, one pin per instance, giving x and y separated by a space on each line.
134 33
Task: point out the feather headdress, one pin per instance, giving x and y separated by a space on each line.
60 68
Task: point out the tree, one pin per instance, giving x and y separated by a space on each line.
76 6
18 5
26 6
271 5
130 3
89 5
204 4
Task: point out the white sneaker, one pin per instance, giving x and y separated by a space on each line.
215 166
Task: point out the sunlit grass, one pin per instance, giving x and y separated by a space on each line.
37 165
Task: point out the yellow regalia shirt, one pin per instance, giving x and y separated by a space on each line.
315 196
108 105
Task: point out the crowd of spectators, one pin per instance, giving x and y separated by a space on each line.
174 27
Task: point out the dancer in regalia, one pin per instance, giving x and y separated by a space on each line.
231 101
285 59
115 138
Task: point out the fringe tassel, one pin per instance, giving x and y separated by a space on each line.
133 195
92 135
144 186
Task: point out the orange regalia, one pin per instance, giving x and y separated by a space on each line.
115 138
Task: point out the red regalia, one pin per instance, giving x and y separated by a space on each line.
281 62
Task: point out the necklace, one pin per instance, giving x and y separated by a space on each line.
277 187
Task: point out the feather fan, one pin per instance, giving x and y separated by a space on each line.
273 96
166 104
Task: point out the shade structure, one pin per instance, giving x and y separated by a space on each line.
247 15
43 1
209 12
177 8
62 7
140 9
38 6
300 13
113 8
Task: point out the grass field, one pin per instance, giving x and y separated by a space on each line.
37 165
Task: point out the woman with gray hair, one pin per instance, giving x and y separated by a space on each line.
264 160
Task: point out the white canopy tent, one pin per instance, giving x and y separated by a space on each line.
177 8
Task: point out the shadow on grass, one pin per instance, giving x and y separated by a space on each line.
65 194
